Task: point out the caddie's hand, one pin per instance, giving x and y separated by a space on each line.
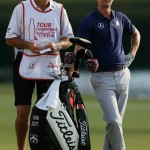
33 47
128 59
92 65
53 47
69 58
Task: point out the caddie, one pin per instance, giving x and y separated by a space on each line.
38 31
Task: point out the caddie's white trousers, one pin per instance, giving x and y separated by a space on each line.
112 89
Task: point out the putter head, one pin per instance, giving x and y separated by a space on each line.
81 41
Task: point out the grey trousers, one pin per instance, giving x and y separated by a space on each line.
111 89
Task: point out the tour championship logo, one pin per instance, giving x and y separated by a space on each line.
41 29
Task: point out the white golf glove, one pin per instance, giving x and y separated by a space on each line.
128 59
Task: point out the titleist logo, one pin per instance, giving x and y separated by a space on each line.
83 129
64 125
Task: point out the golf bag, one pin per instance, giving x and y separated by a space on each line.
61 128
64 127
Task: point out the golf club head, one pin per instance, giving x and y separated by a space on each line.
84 53
81 41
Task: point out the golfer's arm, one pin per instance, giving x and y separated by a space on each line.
135 42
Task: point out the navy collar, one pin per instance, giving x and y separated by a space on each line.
102 17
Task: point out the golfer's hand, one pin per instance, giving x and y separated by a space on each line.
128 59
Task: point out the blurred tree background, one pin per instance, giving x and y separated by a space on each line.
137 10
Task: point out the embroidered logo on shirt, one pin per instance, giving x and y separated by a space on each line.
117 23
101 25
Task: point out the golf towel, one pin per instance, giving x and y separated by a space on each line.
50 98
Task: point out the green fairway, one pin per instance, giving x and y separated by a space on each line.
136 122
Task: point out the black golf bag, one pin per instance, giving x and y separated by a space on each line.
65 128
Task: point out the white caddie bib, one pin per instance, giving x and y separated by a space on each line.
38 26
39 67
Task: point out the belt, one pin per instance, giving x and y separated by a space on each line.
111 69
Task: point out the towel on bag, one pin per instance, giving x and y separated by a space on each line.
50 98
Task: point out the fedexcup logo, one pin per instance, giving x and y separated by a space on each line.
65 129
